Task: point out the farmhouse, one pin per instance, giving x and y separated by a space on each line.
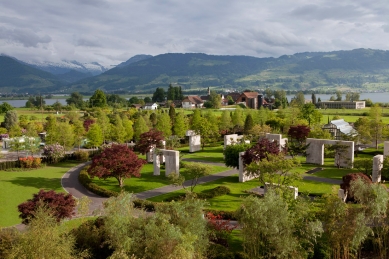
192 102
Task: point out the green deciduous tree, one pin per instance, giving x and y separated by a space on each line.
33 243
215 99
77 99
98 99
95 136
10 119
194 172
127 124
290 234
159 95
276 170
164 125
140 127
180 125
225 121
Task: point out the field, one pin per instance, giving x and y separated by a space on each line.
18 186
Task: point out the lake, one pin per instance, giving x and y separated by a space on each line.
375 97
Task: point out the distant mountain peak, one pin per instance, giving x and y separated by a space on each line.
134 59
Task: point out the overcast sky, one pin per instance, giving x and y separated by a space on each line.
112 31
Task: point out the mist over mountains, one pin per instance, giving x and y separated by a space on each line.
356 70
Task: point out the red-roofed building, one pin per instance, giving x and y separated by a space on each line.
192 102
252 100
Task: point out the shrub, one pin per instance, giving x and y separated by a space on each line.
8 238
91 236
30 162
62 205
219 229
231 154
87 183
53 152
346 183
81 156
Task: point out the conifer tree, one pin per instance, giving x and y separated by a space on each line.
248 124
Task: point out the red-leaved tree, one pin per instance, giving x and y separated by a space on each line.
116 161
60 204
298 136
87 123
148 140
260 151
299 132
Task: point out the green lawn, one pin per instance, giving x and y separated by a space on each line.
147 181
232 201
210 154
17 187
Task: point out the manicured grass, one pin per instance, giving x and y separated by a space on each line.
17 187
314 188
210 154
147 181
232 201
335 173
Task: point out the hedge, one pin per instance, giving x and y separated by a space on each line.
87 183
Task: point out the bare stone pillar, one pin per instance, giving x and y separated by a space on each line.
342 195
243 176
386 148
377 166
156 164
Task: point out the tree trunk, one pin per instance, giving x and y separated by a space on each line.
121 181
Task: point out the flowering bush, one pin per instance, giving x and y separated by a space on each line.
54 152
30 162
2 136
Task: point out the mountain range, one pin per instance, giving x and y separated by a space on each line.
356 70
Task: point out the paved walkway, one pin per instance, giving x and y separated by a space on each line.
71 184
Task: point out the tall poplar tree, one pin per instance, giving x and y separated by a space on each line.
140 127
164 125
180 125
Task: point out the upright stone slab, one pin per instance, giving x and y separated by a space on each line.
172 161
342 195
277 137
243 176
315 151
377 166
386 148
156 164
230 139
194 141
